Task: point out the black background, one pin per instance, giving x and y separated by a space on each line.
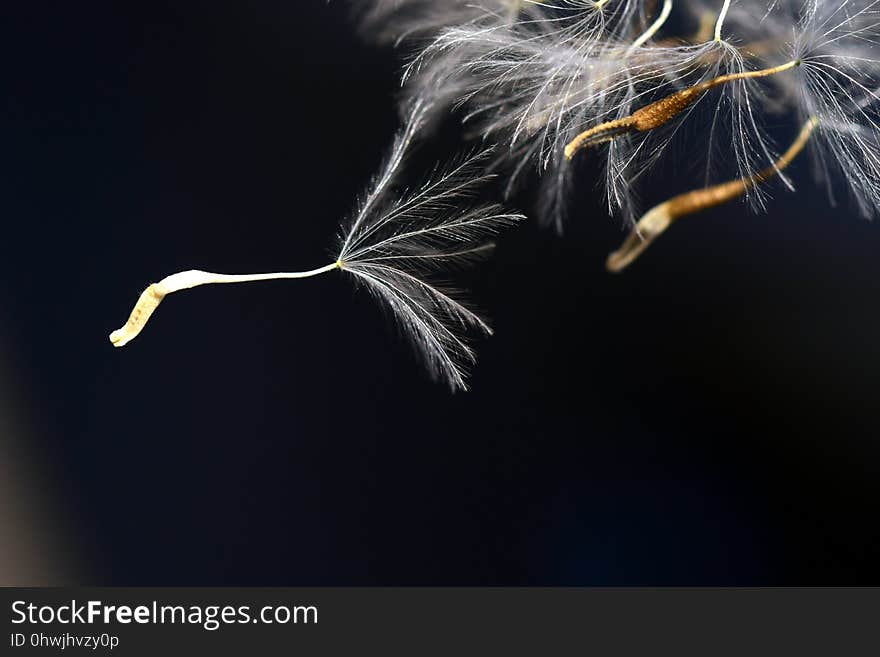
706 418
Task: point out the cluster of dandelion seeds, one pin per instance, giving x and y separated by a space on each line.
637 85
395 245
640 84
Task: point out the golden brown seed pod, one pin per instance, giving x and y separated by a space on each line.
662 111
655 222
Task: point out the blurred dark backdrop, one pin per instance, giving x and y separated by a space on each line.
709 417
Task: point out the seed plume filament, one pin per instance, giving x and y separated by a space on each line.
655 222
185 280
662 111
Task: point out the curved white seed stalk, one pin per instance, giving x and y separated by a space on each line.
720 22
648 34
185 280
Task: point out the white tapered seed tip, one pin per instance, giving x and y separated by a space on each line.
145 306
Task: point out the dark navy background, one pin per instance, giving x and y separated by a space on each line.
709 417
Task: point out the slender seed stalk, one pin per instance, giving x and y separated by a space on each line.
662 111
721 17
654 27
155 293
660 217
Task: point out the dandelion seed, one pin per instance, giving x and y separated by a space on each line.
393 246
662 111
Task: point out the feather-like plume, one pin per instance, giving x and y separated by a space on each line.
397 241
838 45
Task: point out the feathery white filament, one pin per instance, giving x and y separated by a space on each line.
396 242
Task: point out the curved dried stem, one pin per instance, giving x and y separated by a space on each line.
655 222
